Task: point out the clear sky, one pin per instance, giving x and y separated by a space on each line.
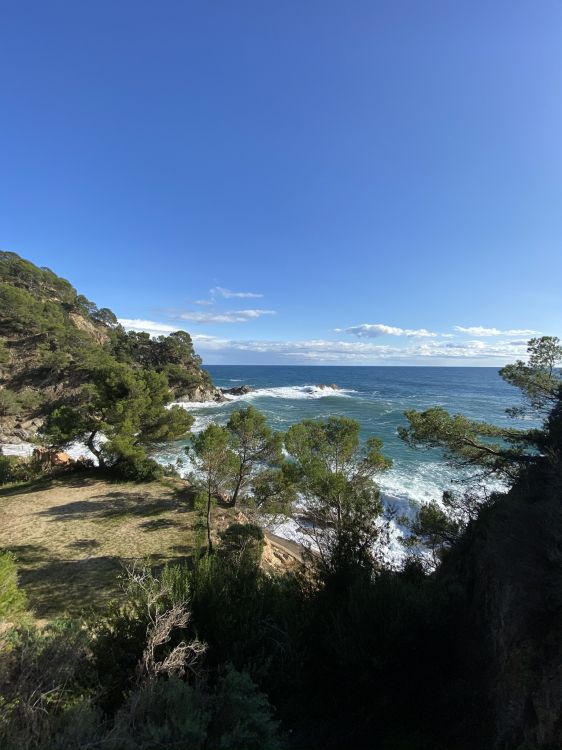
293 181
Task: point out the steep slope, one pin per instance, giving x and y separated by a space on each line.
510 566
49 337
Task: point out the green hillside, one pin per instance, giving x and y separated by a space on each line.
52 337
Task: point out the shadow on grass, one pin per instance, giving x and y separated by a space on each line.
71 586
71 479
60 586
83 545
114 505
28 554
159 523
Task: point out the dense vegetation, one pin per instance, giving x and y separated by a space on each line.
68 367
343 653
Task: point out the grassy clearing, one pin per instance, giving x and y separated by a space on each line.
72 536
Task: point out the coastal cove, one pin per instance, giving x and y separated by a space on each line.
377 398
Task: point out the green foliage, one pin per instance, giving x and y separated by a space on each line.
162 714
491 450
537 379
41 282
4 353
254 444
273 491
243 540
336 476
13 602
435 529
217 465
8 469
13 403
242 717
64 341
468 443
18 469
172 713
9 402
45 674
128 407
172 355
135 466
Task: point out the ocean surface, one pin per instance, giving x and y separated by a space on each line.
377 398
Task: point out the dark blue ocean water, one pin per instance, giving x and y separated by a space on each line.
377 398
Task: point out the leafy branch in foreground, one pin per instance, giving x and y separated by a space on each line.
493 450
496 451
538 378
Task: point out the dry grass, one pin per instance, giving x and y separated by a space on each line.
72 536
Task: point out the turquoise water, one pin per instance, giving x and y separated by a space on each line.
377 398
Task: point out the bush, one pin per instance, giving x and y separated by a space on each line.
44 674
9 403
8 469
162 713
16 469
138 469
243 539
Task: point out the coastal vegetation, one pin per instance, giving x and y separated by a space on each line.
199 643
69 372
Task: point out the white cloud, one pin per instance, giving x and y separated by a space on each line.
317 351
362 352
231 316
375 330
482 331
149 326
219 291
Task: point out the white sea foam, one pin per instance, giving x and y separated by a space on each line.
74 450
298 392
289 393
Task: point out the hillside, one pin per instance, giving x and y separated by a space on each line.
49 337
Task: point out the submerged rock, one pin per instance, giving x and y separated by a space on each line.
201 394
240 390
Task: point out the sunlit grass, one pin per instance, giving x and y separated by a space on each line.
73 536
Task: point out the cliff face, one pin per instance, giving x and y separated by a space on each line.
51 336
510 565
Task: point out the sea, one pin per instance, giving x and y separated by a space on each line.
377 398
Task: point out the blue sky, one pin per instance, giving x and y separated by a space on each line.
298 182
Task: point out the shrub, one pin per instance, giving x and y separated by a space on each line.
16 469
9 402
8 469
243 540
138 469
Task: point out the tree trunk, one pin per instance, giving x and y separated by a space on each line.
92 446
234 497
